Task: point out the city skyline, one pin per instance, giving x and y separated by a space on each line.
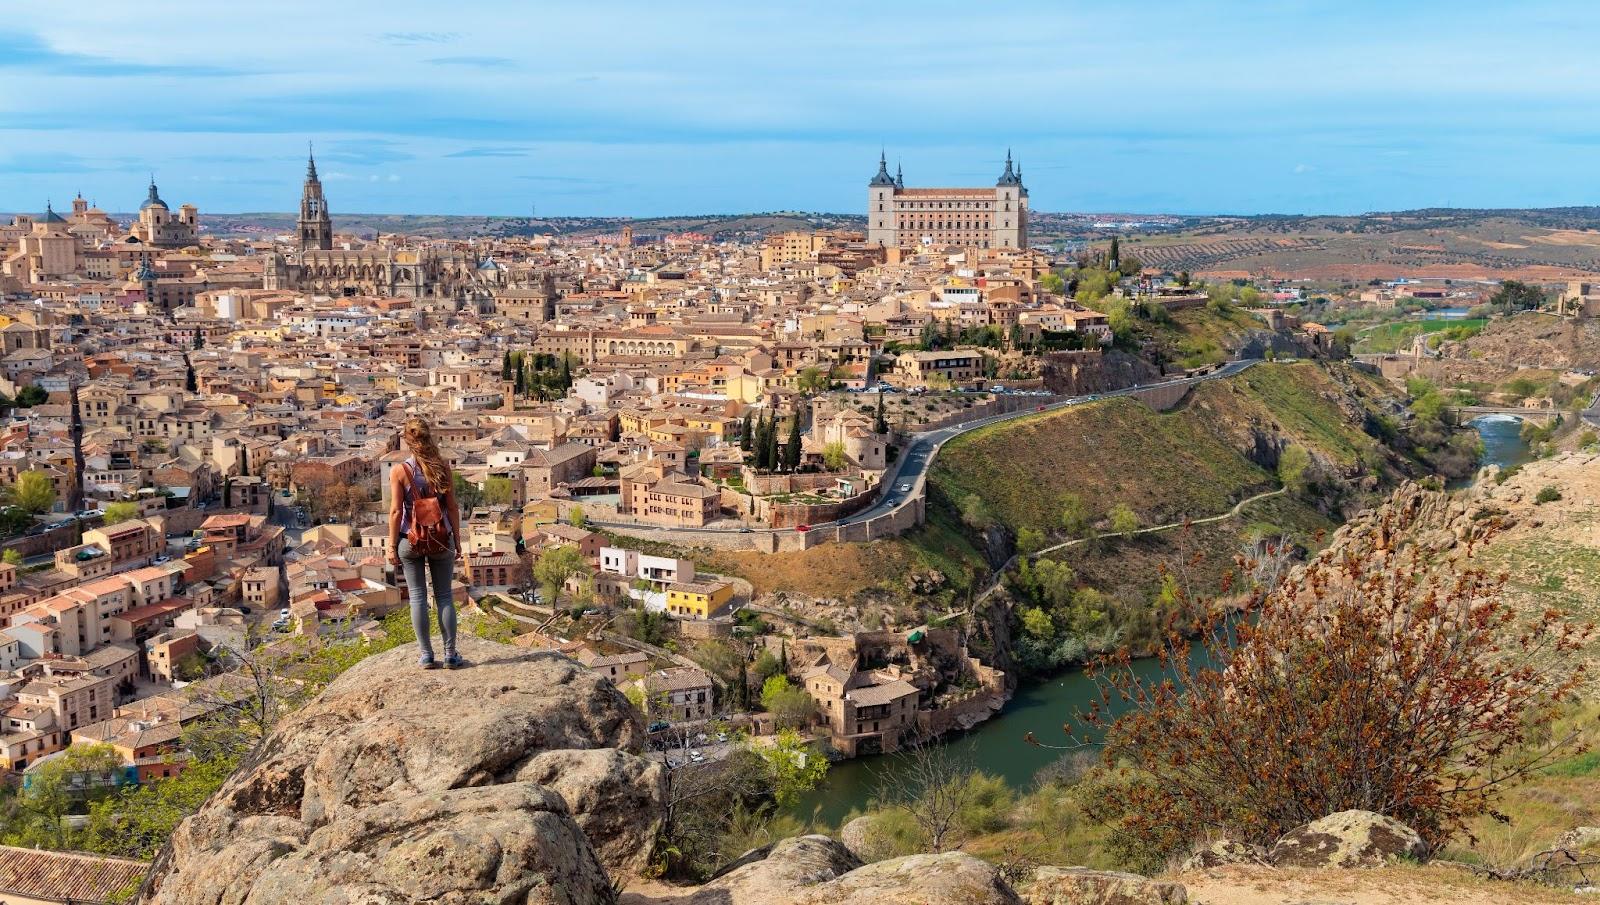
639 111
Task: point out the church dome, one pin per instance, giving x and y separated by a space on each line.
153 199
50 216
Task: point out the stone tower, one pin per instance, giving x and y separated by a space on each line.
316 228
881 228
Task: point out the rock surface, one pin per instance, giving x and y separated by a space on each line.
816 870
400 786
1225 851
1082 886
1347 839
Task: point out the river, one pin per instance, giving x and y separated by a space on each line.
1041 707
996 746
1502 440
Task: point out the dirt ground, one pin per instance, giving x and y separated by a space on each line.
1435 885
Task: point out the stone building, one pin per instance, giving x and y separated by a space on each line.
380 268
975 217
157 226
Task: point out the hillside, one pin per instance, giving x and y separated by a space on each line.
1533 244
1217 447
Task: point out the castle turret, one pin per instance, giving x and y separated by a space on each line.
880 206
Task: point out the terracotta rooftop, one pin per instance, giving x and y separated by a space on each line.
66 876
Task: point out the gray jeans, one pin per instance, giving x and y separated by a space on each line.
418 571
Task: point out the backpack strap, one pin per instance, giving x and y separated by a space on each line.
414 485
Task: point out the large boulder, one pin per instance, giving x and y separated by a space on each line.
816 870
402 786
1082 886
1347 839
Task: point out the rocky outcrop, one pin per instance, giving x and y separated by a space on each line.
488 784
1348 839
816 870
1082 886
1225 851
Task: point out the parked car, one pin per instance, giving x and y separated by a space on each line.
905 488
659 725
284 614
802 528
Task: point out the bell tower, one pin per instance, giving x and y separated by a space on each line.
315 227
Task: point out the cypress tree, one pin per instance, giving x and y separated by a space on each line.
1116 254
791 455
566 373
505 366
879 425
772 443
744 432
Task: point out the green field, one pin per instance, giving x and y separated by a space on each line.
1393 337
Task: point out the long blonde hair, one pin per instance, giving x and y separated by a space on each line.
419 439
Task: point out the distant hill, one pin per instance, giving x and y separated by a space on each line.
1535 244
719 226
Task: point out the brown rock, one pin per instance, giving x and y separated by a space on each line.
1347 839
398 786
1082 886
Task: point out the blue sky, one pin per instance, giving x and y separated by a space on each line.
625 108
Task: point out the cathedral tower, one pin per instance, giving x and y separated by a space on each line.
316 229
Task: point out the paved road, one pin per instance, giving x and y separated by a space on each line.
919 453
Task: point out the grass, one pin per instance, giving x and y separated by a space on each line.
1194 461
1397 335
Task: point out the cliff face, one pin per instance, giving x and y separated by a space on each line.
514 780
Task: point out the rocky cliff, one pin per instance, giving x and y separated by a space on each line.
515 780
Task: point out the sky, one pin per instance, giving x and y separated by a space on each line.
507 107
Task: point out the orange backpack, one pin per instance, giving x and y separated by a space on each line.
429 533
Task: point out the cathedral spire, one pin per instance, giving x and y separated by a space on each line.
311 164
315 226
1009 177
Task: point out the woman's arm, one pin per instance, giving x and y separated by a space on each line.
453 513
397 495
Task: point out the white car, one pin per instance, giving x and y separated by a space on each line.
284 614
905 488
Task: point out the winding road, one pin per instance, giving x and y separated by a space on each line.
917 456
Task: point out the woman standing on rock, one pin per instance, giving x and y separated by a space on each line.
425 537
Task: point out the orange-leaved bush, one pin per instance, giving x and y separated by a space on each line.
1372 679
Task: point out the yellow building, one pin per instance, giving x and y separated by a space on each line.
698 599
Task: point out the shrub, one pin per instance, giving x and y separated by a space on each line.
1370 683
1547 494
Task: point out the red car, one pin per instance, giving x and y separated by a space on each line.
802 527
1039 409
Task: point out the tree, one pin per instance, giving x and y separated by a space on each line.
1123 519
791 451
1053 284
1515 295
879 424
833 456
576 517
67 784
790 706
1183 279
32 395
505 366
469 496
744 432
555 565
498 490
813 380
1075 516
1370 681
33 491
12 557
929 784
119 512
791 766
1294 465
